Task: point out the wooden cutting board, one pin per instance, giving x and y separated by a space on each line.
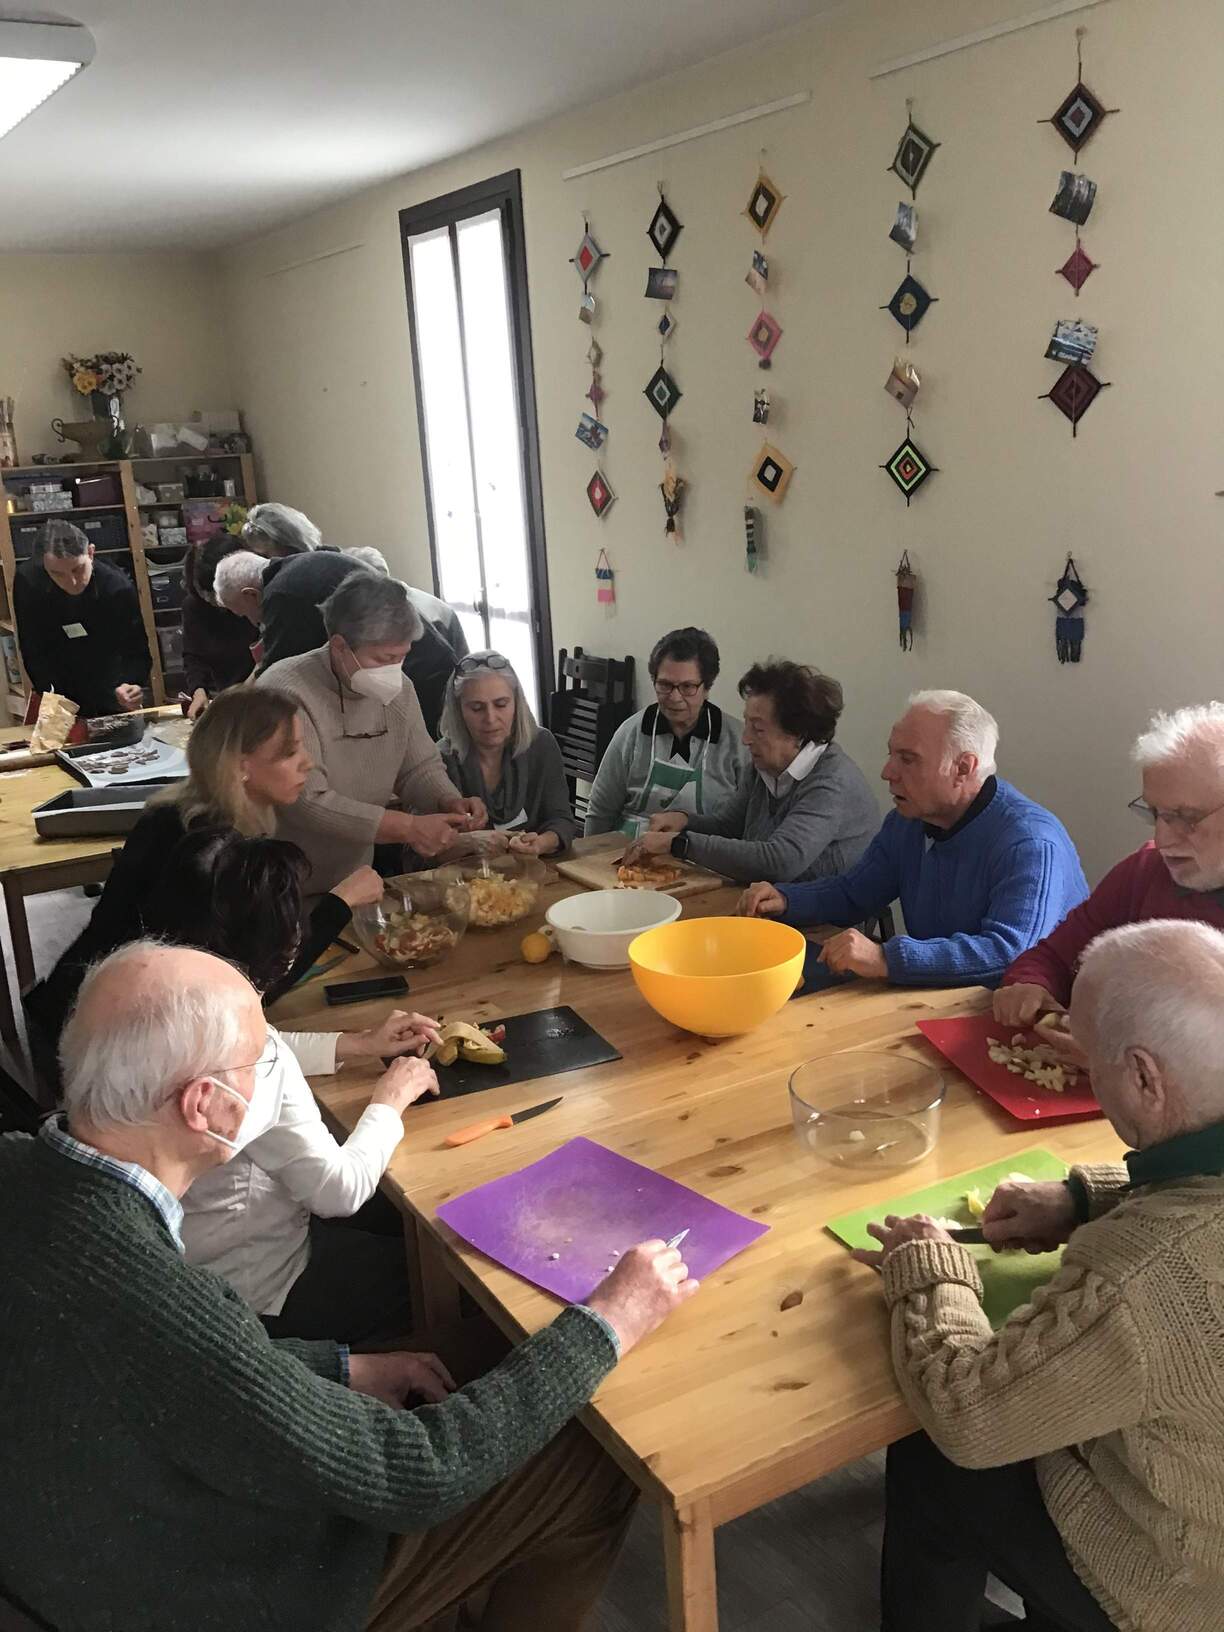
596 870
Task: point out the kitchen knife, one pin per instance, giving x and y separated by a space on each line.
969 1235
477 1130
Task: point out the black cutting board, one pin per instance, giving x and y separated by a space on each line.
541 1044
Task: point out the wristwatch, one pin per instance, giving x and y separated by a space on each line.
680 846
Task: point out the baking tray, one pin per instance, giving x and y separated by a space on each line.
81 763
84 813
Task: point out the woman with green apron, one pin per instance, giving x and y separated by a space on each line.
682 754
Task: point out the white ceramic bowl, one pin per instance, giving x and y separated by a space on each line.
595 928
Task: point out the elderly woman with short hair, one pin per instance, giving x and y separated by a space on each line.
806 813
362 728
277 530
680 754
495 752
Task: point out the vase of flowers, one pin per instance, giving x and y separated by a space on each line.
104 379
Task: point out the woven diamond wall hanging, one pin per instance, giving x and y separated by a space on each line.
763 206
662 392
664 228
587 257
1080 114
764 335
771 473
1074 392
1078 267
913 155
910 303
666 326
909 468
599 492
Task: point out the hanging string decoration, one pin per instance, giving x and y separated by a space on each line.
770 473
1071 597
592 432
605 580
907 585
908 467
661 390
1078 118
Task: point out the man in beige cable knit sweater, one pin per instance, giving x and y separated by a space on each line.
1078 1452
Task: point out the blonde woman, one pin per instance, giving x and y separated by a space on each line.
245 760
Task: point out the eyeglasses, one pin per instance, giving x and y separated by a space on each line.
473 665
687 689
359 736
264 1066
1177 821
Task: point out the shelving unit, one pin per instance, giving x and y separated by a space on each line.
161 621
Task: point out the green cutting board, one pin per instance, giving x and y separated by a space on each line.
1008 1278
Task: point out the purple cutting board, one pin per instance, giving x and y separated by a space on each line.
587 1204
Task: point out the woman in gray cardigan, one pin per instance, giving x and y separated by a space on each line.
494 751
806 813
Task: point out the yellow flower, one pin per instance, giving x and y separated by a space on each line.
85 381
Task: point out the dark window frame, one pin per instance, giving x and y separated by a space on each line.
505 194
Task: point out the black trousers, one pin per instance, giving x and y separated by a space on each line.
354 1289
946 1528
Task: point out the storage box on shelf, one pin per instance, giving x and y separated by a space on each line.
101 497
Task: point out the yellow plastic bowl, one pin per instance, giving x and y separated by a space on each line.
717 977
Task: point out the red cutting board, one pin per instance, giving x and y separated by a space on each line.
964 1040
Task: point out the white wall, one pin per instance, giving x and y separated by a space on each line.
163 308
322 364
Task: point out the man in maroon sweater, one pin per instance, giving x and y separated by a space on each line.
1180 874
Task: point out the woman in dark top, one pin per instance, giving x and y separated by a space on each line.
245 758
216 643
494 750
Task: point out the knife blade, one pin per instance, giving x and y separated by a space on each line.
477 1130
969 1235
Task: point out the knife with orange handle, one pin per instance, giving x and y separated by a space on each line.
477 1130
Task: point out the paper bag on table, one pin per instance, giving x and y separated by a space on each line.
56 718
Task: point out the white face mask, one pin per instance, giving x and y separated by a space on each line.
383 684
260 1112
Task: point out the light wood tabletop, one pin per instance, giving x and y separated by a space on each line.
778 1371
30 865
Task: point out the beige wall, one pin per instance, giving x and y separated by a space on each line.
165 309
323 371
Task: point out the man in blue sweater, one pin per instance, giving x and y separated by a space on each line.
982 873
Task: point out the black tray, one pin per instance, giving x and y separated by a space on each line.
545 1043
84 813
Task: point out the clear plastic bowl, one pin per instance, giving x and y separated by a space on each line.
867 1110
419 921
503 889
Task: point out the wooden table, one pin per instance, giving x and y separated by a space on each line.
778 1371
30 865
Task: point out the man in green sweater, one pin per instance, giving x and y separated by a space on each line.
168 1467
1078 1452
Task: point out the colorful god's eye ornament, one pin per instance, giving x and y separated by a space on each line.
763 337
771 473
599 493
909 468
763 205
913 155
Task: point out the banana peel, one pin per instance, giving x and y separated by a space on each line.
457 1037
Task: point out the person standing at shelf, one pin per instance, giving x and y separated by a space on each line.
79 625
216 643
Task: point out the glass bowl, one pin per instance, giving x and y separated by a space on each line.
867 1110
503 889
420 919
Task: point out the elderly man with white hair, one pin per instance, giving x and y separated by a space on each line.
276 530
182 1469
981 871
1078 1452
1179 873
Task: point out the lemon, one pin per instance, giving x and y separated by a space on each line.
536 947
